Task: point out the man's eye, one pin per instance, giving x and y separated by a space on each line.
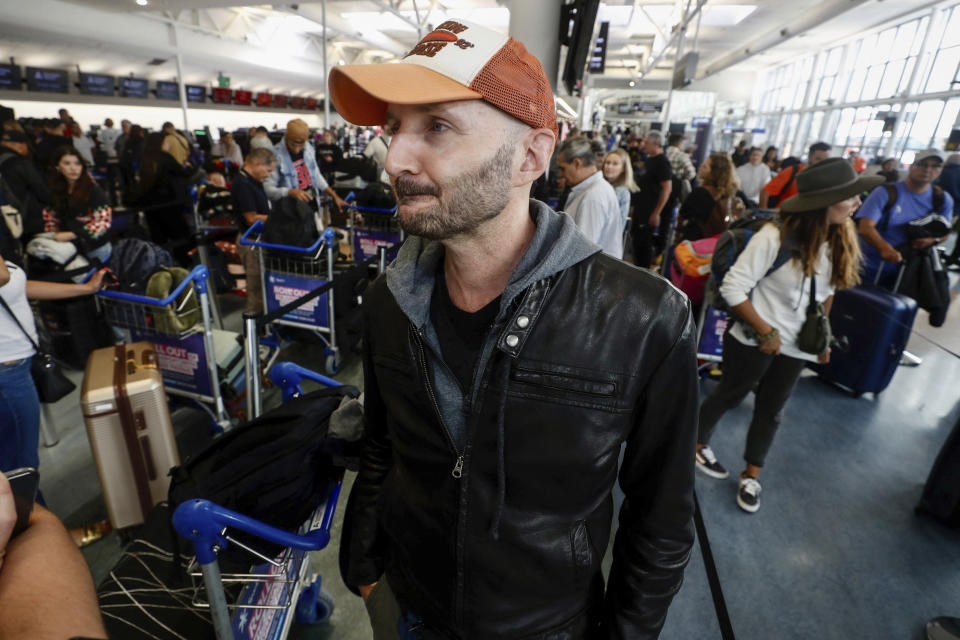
438 127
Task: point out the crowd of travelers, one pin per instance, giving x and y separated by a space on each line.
635 196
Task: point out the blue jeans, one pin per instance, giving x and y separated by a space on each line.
19 417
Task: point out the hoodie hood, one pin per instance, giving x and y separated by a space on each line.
557 244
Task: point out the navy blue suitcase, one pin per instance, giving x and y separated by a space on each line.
871 327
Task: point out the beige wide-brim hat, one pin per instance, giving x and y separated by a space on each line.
828 182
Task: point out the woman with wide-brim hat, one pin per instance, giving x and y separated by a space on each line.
761 350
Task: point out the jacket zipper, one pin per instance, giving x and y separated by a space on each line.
457 473
458 467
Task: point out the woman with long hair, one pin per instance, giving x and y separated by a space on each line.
80 213
163 185
619 172
130 157
770 158
762 350
710 207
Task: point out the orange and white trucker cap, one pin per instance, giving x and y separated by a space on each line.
458 60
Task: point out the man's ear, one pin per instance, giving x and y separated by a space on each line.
537 149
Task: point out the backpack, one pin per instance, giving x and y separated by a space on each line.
377 195
133 261
731 244
276 468
184 312
292 223
884 223
357 167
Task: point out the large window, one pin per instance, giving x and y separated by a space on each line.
858 91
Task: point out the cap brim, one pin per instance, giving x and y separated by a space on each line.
810 203
361 93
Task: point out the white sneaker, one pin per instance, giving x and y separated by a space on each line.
707 463
748 494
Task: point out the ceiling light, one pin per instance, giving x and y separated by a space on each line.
143 3
342 61
632 83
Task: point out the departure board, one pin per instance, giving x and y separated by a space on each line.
168 90
134 87
96 84
10 77
48 80
196 93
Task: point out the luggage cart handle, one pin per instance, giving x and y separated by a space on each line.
203 522
288 377
199 276
257 228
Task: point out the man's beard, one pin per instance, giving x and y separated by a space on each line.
463 202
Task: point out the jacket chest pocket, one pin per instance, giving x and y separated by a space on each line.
566 385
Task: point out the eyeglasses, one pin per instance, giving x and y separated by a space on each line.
935 166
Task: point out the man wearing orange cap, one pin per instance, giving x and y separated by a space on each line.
506 360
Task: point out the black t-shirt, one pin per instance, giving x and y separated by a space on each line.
301 171
248 196
461 333
657 171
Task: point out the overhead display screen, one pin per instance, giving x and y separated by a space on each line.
264 99
297 102
49 80
311 103
196 93
242 97
224 96
96 84
134 87
280 100
10 76
167 90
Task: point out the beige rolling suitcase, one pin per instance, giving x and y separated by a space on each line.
128 424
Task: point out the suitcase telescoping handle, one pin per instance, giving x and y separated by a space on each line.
901 267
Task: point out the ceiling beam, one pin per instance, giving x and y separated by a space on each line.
813 18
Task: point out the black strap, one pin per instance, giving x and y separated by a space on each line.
719 604
812 304
793 177
892 194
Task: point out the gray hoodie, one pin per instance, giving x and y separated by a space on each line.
557 244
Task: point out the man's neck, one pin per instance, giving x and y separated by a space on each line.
916 187
478 267
586 176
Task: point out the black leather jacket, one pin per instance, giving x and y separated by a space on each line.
504 539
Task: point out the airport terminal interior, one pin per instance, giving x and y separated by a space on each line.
848 542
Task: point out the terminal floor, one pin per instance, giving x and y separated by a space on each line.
835 551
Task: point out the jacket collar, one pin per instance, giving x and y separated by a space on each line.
557 244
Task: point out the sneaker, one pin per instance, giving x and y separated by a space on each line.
707 462
748 495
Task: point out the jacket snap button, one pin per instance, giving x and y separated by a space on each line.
512 340
523 322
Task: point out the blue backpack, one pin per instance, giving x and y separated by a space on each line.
133 261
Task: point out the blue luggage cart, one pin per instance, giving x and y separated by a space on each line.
290 272
181 328
278 590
